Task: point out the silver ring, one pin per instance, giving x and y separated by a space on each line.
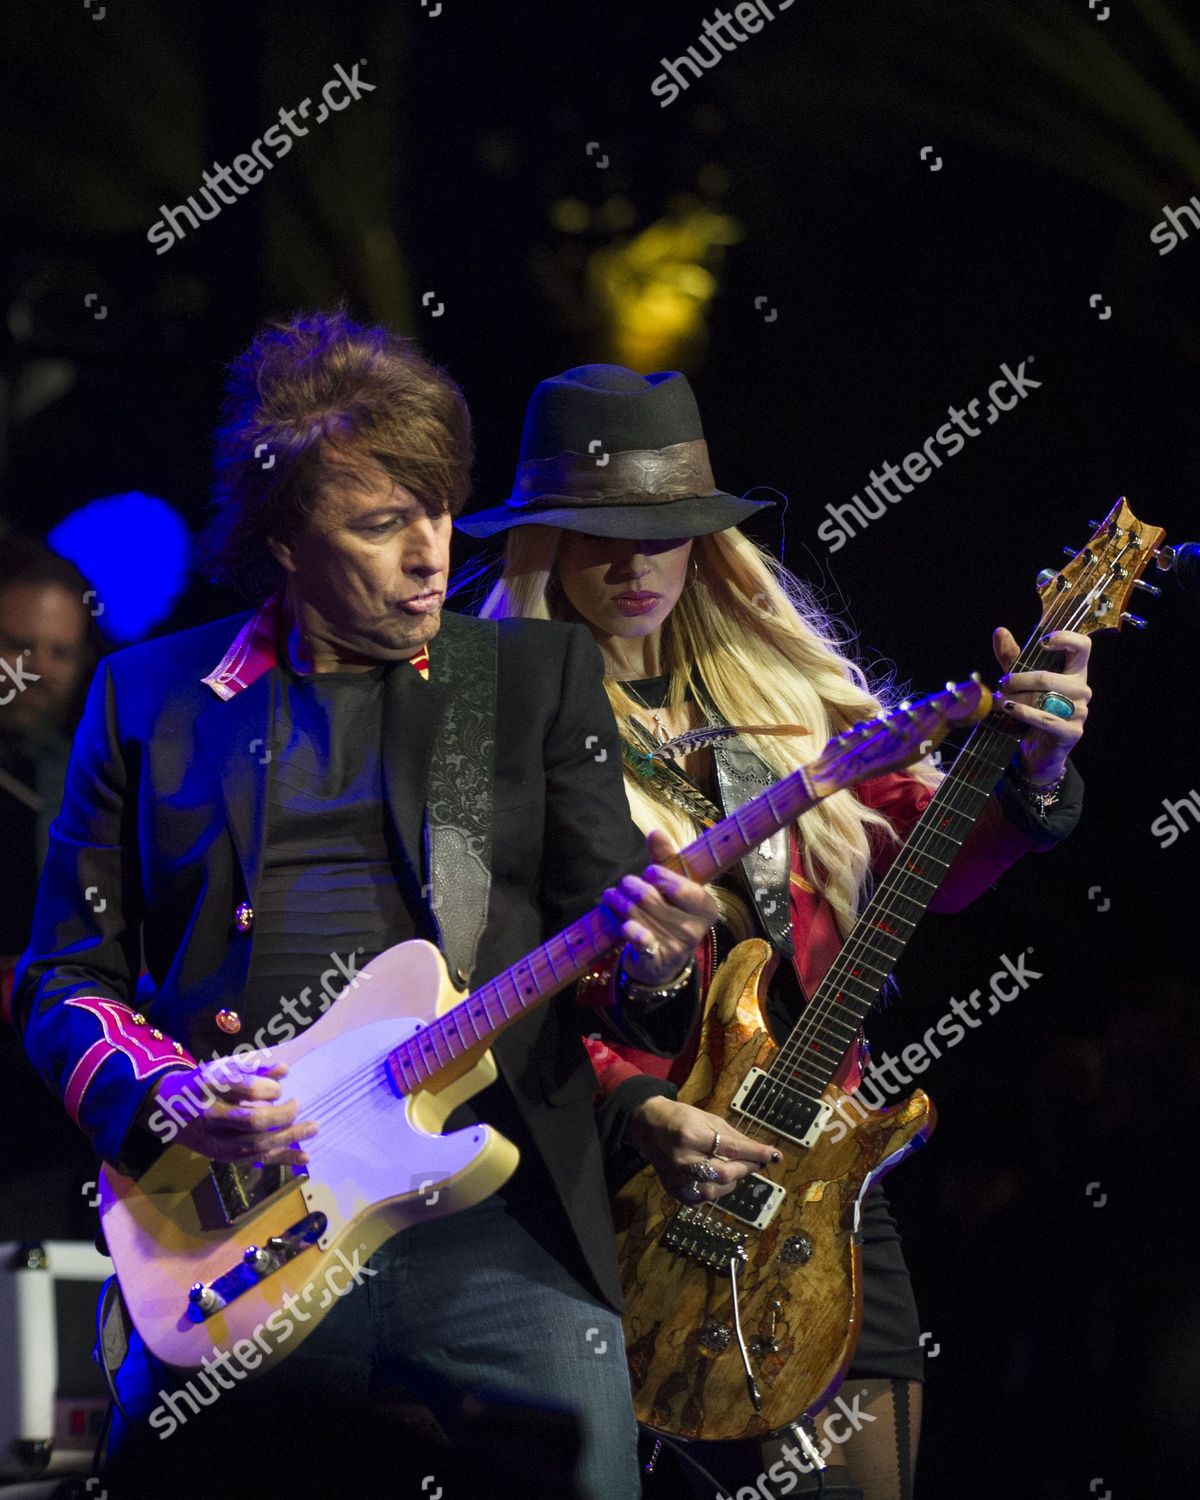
651 948
1057 704
716 1143
702 1172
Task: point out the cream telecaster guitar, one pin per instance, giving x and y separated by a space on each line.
742 1316
208 1255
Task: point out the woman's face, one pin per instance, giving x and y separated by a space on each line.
619 586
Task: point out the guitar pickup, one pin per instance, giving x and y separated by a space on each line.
754 1200
781 1107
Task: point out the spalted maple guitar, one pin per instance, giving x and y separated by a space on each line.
742 1316
210 1256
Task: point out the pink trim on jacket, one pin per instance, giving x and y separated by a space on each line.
126 1033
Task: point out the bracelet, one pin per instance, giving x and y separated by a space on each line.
1039 797
650 992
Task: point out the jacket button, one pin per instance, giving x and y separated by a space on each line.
244 916
229 1021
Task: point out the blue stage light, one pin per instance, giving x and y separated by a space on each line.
135 550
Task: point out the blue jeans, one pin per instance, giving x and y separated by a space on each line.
466 1305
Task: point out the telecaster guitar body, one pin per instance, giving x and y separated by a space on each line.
377 1165
799 1285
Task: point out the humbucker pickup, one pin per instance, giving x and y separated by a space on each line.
781 1107
754 1200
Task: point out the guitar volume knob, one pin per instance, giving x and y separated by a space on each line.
202 1300
715 1338
797 1250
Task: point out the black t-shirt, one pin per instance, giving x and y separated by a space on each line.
329 882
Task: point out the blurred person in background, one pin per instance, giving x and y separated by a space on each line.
48 645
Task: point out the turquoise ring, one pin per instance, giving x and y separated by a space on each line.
1056 704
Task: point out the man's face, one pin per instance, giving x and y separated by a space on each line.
369 571
43 631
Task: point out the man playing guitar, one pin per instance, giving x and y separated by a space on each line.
255 800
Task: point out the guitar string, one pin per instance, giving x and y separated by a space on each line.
341 1098
348 1090
807 1027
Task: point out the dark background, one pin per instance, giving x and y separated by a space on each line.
1067 1333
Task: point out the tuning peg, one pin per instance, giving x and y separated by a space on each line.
1150 588
1047 575
1084 552
1135 620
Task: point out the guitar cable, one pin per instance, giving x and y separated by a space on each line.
107 1292
680 1450
114 1401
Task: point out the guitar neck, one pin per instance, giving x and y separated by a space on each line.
813 1052
562 959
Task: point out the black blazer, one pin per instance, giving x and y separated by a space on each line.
159 841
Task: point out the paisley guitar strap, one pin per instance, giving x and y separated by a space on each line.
461 792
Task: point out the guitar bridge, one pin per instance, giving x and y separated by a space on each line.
704 1239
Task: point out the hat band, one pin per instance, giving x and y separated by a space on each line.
641 476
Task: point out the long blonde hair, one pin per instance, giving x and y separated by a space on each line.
750 635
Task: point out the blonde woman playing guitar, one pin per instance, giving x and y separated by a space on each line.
616 522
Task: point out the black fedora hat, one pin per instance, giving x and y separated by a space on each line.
612 453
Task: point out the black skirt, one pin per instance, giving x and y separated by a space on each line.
889 1346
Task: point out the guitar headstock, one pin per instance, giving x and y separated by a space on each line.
1092 591
898 738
